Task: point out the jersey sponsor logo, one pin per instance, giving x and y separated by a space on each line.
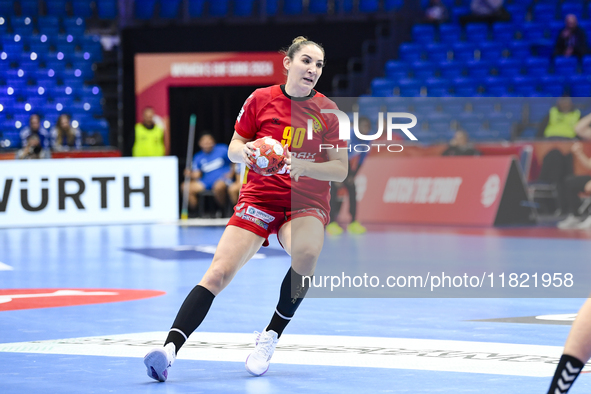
309 156
256 221
17 299
439 190
275 121
257 213
490 190
317 211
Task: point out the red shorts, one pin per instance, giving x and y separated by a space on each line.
266 221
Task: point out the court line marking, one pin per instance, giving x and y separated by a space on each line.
5 267
346 351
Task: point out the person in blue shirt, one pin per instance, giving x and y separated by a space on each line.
355 161
211 170
36 128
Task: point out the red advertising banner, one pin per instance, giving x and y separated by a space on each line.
433 190
156 72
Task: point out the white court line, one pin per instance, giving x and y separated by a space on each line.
5 267
326 350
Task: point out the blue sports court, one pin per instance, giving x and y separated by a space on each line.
334 345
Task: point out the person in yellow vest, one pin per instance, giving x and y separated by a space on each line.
151 139
561 120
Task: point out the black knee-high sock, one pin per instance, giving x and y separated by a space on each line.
190 316
288 304
566 372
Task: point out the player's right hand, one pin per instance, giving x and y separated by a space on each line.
248 154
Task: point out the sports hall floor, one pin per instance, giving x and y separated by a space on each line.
80 306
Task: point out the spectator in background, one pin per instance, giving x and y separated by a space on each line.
211 170
35 128
436 12
460 146
355 161
150 137
31 149
571 40
486 11
64 136
573 186
561 120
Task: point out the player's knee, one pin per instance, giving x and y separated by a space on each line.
304 259
215 280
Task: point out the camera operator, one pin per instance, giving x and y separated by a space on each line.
32 149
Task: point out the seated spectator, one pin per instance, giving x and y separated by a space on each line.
64 136
32 149
211 170
150 136
575 185
36 128
571 41
460 146
436 12
486 11
561 120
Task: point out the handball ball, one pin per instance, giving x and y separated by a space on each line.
268 156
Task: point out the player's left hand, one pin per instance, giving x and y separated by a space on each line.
296 167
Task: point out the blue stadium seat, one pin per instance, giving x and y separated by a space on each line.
586 64
479 68
544 12
449 33
565 65
22 23
107 9
524 86
572 8
495 86
450 70
74 26
469 121
534 31
292 7
246 7
393 5
509 67
503 32
422 70
537 66
218 8
423 34
555 27
483 105
273 6
491 51
382 87
501 128
169 9
464 87
144 9
437 52
580 85
409 88
519 49
437 87
6 7
463 51
459 11
476 32
367 6
396 69
82 8
318 7
29 7
409 52
56 7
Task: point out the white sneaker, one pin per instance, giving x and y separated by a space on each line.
257 362
571 221
158 361
585 224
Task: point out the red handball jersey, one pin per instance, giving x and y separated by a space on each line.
271 112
